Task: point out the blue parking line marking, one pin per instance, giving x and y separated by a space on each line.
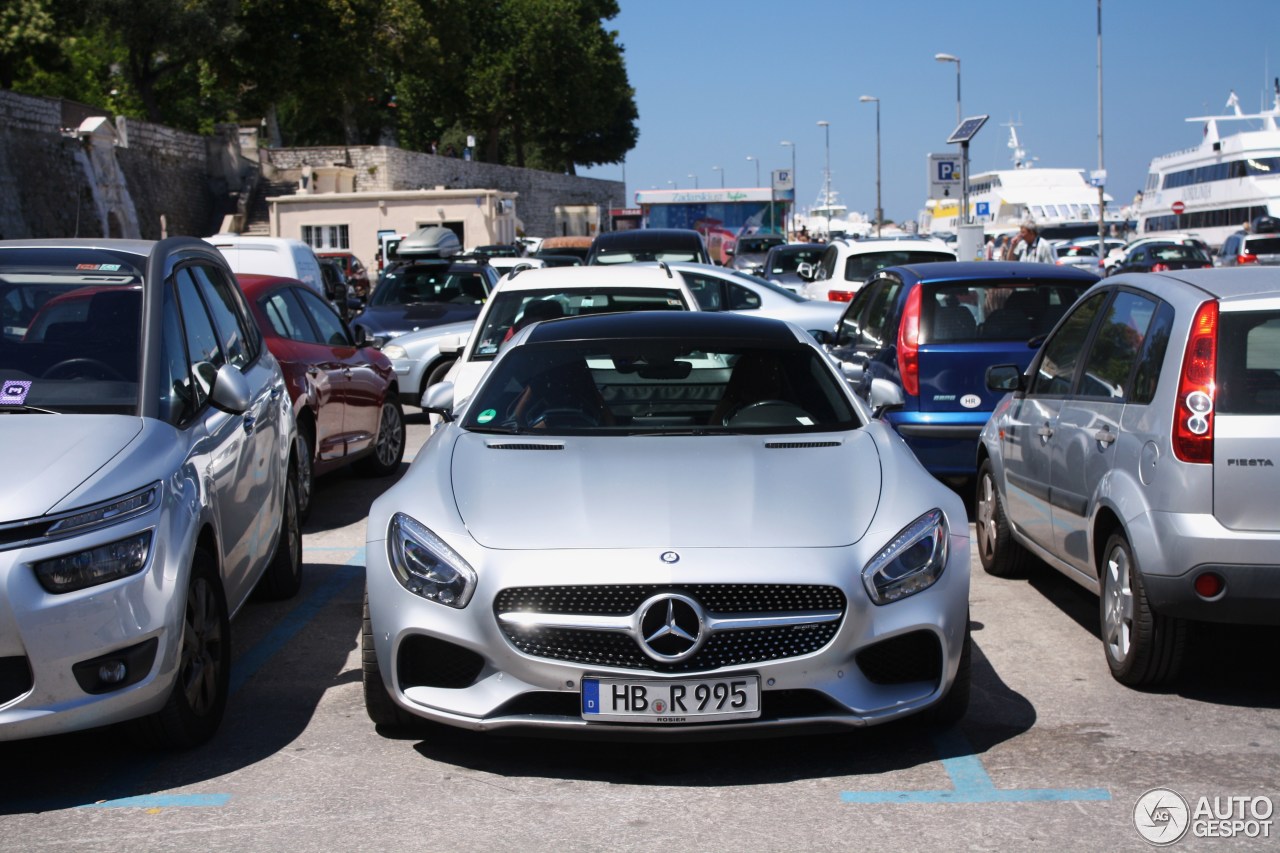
163 801
972 784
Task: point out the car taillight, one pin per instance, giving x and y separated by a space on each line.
1247 258
1193 412
1159 267
909 344
839 295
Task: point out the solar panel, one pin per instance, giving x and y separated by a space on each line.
967 129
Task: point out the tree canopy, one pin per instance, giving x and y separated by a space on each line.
538 83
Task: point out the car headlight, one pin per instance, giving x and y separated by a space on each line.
426 565
108 512
394 351
911 562
95 566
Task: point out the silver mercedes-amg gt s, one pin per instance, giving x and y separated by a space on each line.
664 522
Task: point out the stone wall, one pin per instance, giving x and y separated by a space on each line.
383 169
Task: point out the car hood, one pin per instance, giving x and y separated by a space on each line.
411 318
522 492
51 455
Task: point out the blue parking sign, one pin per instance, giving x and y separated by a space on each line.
983 208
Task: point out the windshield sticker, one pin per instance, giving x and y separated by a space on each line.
486 416
14 392
101 267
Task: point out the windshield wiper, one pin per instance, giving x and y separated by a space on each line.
497 430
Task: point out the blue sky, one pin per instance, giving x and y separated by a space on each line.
716 82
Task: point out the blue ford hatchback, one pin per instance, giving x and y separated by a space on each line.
933 329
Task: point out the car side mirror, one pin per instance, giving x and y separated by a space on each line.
453 344
805 271
885 395
438 400
854 369
1005 377
823 336
730 251
230 391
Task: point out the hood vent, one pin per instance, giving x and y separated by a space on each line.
798 445
502 445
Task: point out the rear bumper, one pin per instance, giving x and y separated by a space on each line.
1251 595
945 447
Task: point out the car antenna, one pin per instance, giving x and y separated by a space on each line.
664 266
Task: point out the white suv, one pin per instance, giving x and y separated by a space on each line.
847 264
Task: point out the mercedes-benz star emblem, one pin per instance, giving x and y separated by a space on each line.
670 627
670 557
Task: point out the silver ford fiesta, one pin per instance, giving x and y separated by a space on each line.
663 522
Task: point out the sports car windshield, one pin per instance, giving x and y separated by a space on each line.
71 331
512 310
660 386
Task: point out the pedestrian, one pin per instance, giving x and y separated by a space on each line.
1031 246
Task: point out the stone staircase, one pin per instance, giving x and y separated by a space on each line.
258 219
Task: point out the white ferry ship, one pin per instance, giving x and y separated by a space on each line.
1213 189
1062 201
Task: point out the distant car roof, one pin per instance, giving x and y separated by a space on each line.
985 270
658 324
622 275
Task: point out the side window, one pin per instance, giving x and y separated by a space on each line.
1147 376
224 308
203 350
180 398
827 266
1116 346
287 317
875 331
1057 363
850 327
742 299
706 290
332 332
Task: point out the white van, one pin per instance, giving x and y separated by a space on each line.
282 256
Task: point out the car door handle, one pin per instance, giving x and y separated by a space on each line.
1045 432
1105 436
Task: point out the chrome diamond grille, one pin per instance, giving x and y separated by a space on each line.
726 648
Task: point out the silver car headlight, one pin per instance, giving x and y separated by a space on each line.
911 562
94 566
106 513
394 352
426 565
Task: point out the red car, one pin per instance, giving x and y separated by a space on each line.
344 393
356 272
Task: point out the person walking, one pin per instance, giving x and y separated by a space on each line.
1030 246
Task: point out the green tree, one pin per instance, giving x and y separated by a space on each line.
27 35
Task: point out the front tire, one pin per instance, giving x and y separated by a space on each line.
1000 554
1143 648
378 704
198 699
306 472
388 451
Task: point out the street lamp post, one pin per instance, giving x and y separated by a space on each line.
866 99
695 180
794 186
719 169
826 175
946 57
757 159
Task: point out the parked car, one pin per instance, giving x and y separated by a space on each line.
723 289
1162 257
346 400
283 256
151 485
1076 255
356 272
502 250
533 295
1136 456
933 329
1259 246
504 265
648 244
423 292
421 359
782 263
551 259
749 251
847 264
578 246
339 290
529 571
1117 255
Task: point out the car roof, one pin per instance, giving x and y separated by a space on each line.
646 237
142 248
891 244
253 283
1222 282
659 324
621 275
987 270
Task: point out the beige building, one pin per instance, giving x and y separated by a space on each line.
327 215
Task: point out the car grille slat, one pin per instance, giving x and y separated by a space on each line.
593 647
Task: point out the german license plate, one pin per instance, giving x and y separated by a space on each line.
701 700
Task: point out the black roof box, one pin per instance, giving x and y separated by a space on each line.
1265 225
433 241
